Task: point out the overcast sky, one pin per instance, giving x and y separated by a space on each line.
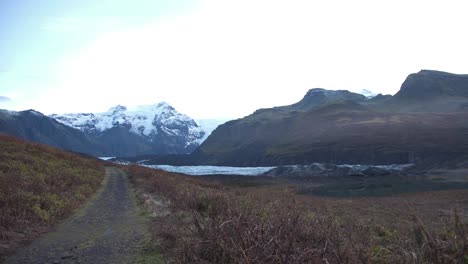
214 58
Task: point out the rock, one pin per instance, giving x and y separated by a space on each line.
374 171
332 170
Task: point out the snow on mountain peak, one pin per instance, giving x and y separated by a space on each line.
117 109
144 120
368 93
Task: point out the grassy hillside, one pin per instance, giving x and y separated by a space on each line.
39 186
342 133
197 221
424 123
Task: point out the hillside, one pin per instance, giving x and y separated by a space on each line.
339 133
245 220
34 126
424 123
39 186
149 129
432 91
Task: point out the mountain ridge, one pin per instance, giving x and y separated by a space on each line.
120 131
345 127
37 127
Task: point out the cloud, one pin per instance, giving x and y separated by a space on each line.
229 58
4 99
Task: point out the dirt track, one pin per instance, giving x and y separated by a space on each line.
108 230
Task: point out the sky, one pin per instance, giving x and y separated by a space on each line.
215 58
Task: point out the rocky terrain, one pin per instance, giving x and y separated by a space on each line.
333 170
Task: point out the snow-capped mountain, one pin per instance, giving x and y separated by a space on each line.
34 126
368 93
209 125
151 129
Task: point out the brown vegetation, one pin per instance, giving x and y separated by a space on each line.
39 186
211 223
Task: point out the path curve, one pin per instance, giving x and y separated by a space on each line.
109 229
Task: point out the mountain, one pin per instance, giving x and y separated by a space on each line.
318 97
368 94
149 129
143 130
34 126
424 123
432 91
209 125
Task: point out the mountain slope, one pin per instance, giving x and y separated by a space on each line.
150 129
343 127
34 126
339 133
432 91
143 130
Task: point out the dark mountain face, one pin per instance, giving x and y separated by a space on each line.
34 126
426 122
318 97
314 98
433 84
338 135
432 91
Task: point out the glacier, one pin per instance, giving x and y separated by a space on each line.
212 170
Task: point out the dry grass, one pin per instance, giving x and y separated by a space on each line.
210 223
39 186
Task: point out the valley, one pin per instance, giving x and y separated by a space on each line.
233 132
337 177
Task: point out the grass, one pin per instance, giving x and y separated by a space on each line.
40 186
149 255
265 223
243 181
376 185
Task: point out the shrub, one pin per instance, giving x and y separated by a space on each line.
210 223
